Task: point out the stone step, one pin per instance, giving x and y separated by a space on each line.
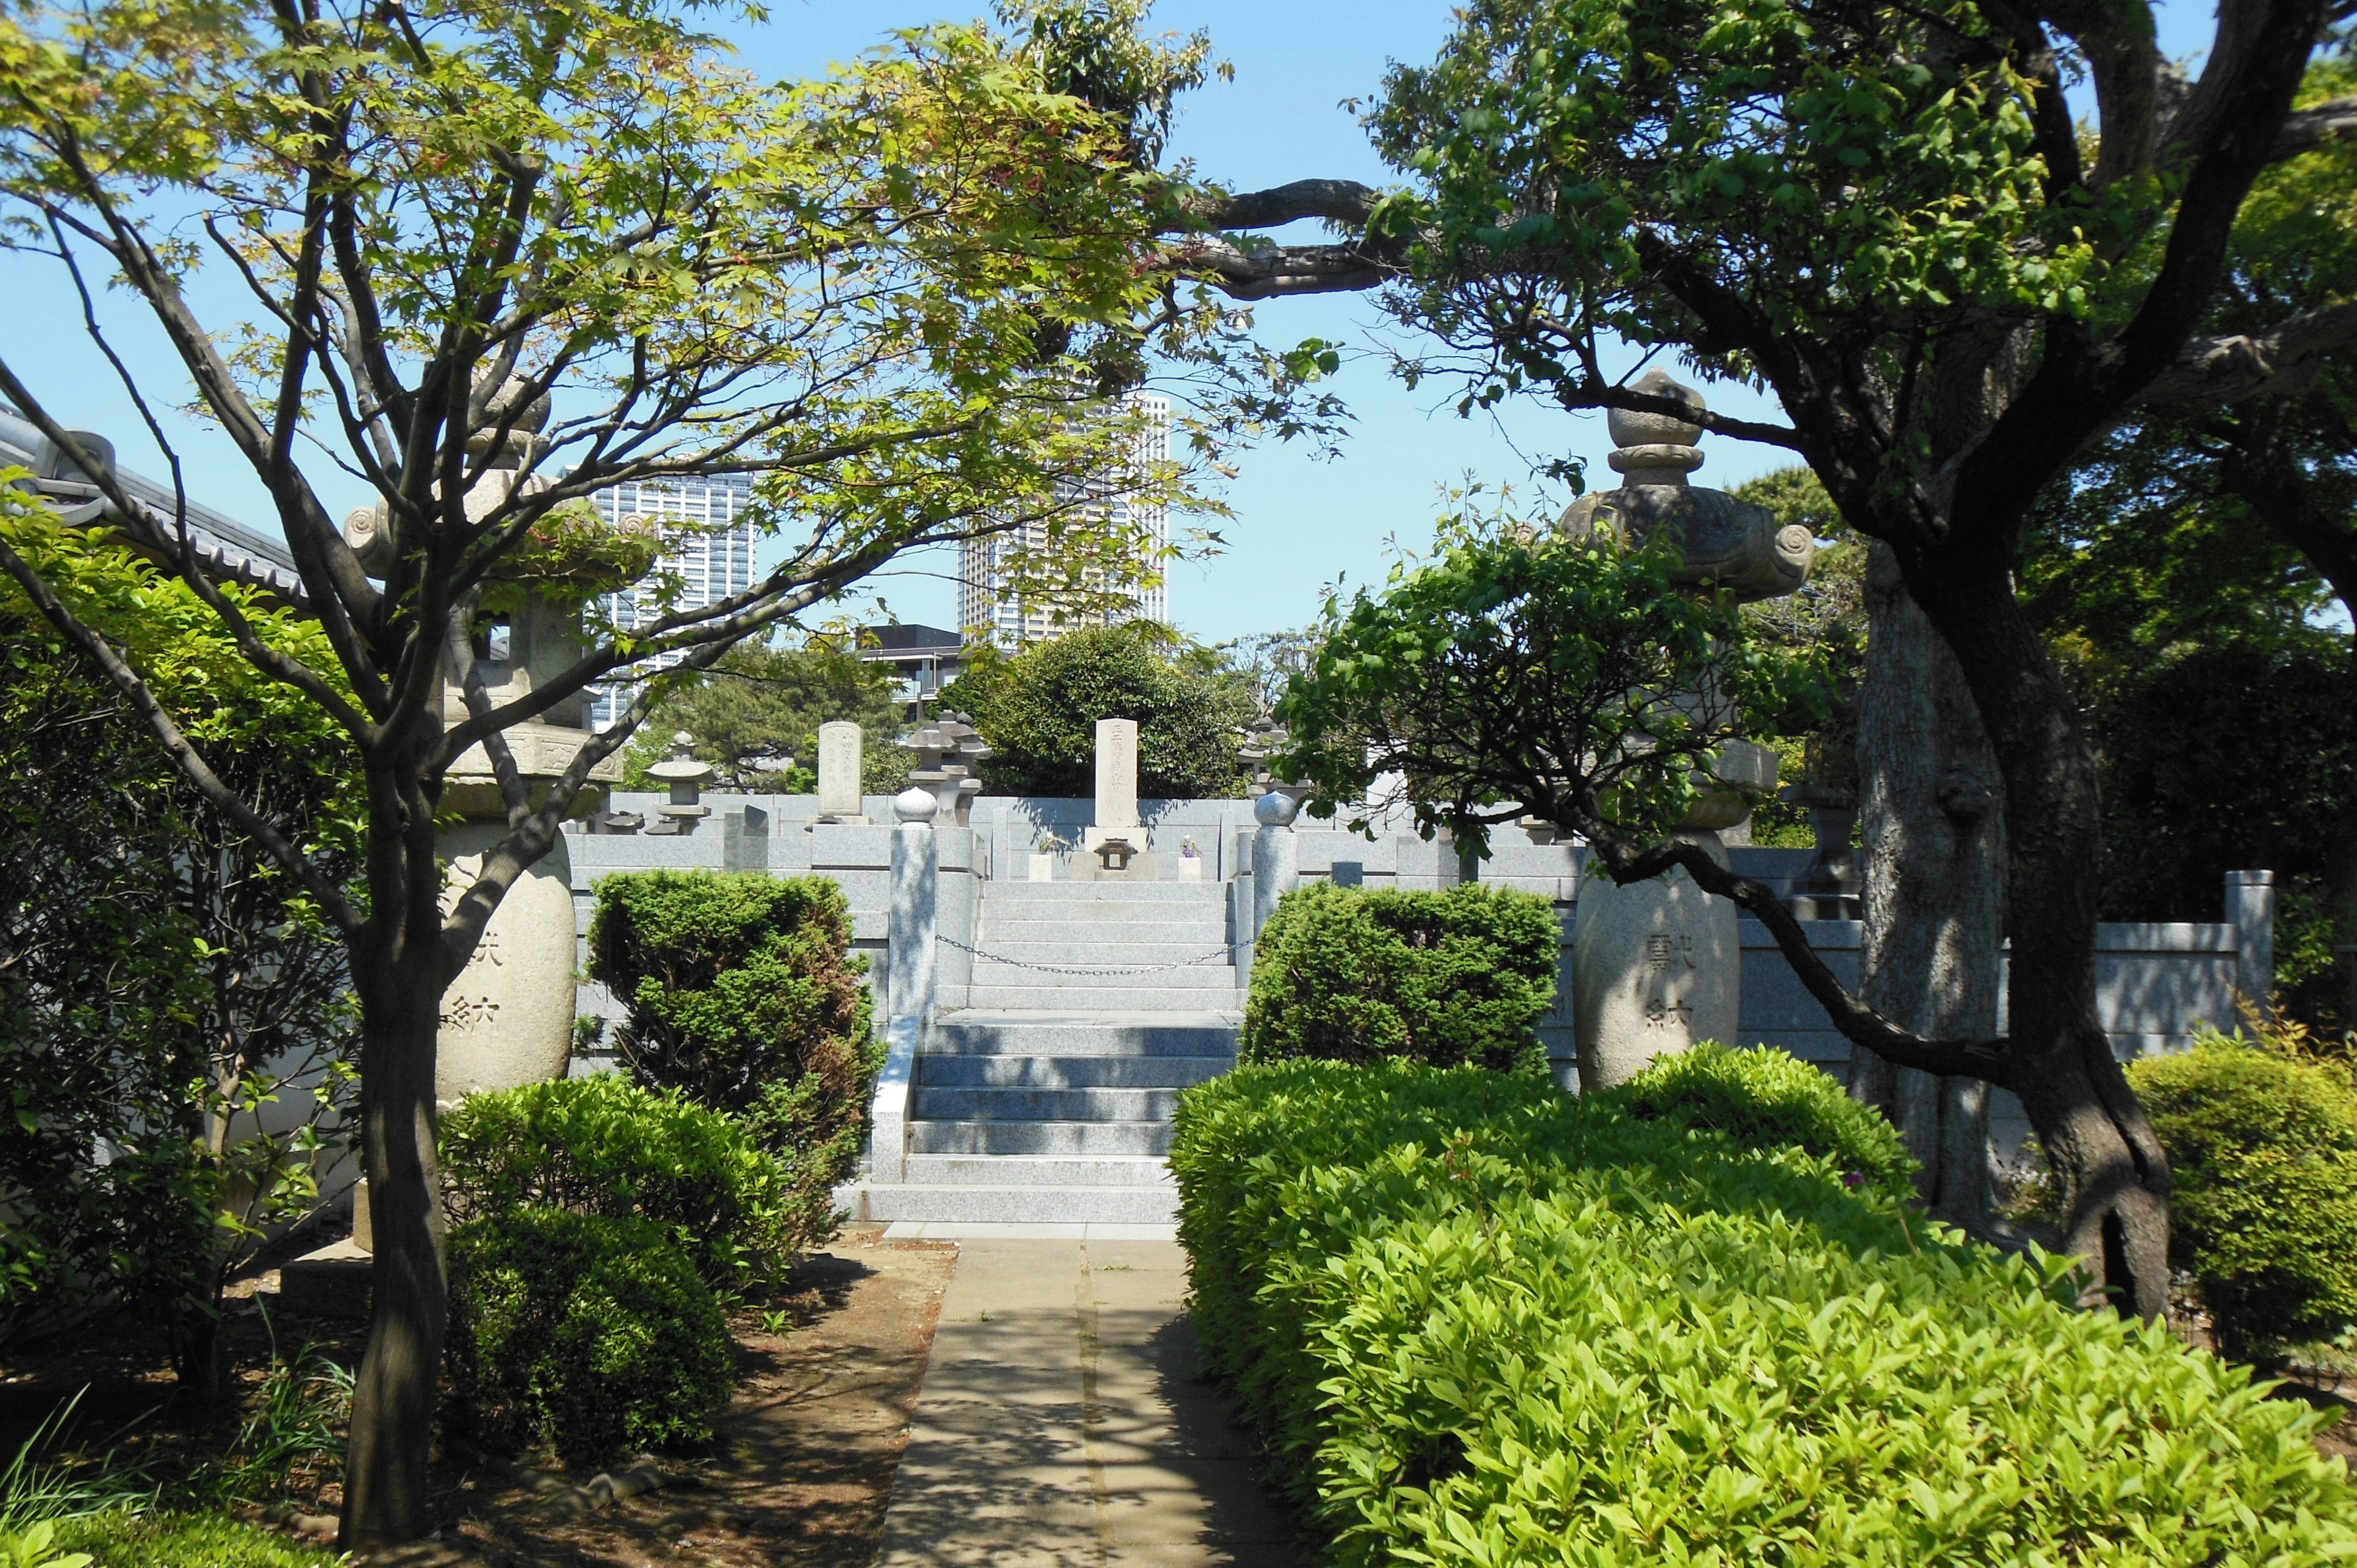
1069 1072
1199 934
1070 1032
965 1103
916 1201
1104 893
993 1137
1133 996
1192 977
1039 1170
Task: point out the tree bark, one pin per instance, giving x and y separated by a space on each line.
393 1399
1930 954
2113 1172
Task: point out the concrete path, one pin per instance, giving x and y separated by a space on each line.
1060 1424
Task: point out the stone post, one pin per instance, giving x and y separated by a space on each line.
1682 986
840 744
2251 910
1276 856
915 895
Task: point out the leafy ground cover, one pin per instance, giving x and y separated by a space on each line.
1479 1322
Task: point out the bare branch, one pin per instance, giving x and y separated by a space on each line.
1336 201
1265 271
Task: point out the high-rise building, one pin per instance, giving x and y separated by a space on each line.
991 606
712 551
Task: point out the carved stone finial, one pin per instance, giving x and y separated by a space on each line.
1656 448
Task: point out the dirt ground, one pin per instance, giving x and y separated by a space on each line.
803 1463
799 1473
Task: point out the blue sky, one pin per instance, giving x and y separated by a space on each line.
1300 523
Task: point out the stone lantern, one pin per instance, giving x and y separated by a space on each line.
946 750
506 1020
685 778
1656 966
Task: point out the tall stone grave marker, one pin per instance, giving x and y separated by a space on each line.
1114 844
1657 965
840 744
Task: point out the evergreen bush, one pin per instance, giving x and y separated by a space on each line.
602 1145
1481 1322
743 994
581 1334
1353 974
2263 1171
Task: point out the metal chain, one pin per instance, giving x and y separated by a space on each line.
1219 952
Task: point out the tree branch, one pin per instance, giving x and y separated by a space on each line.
1342 202
1860 1024
2279 362
1265 271
2319 125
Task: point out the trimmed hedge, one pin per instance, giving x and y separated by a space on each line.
1350 974
1477 1321
602 1145
743 994
2262 1169
582 1334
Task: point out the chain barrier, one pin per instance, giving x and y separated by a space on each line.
1219 952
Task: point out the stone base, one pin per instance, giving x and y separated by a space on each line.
1656 966
853 820
330 1283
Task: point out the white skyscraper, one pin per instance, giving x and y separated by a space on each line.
714 553
987 601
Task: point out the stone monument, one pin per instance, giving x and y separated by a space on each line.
841 743
1114 845
506 1020
1657 965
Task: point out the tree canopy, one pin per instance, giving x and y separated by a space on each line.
761 704
1039 710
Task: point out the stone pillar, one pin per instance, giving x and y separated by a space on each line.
840 744
506 1020
1276 856
1116 773
1655 967
910 966
2251 910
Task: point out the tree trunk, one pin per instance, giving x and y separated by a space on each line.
394 1397
1935 820
2113 1175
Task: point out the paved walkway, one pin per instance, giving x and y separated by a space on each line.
1061 1422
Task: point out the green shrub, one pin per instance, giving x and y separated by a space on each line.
1480 1322
1766 1098
185 1541
742 992
2263 1167
582 1334
602 1145
1348 974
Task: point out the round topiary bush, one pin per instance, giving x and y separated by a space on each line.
581 1334
602 1145
1460 975
2263 1170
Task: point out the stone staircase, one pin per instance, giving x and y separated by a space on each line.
1049 1097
